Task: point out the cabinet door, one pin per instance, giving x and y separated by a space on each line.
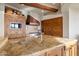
74 49
46 27
59 51
71 51
53 27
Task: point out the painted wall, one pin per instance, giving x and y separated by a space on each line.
74 22
70 14
65 13
1 19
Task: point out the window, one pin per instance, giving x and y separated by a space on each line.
15 25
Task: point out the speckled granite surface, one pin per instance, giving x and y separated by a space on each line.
28 45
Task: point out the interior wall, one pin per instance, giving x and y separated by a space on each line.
74 22
65 13
2 19
70 14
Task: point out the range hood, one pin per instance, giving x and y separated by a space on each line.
32 21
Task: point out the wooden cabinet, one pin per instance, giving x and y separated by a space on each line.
67 48
70 46
58 51
53 51
71 50
53 26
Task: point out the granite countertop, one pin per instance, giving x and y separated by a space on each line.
29 45
3 41
66 41
38 45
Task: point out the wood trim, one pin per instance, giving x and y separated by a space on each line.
37 5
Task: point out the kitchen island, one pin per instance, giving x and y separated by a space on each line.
30 46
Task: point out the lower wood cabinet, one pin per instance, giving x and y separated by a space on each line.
59 51
71 50
54 51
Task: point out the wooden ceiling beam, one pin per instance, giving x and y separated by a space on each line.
40 6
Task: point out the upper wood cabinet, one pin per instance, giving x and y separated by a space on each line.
53 26
58 51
